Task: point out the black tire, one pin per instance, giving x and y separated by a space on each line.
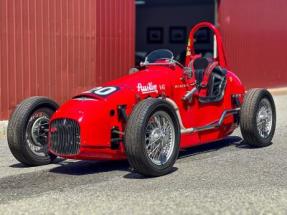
135 137
253 100
22 119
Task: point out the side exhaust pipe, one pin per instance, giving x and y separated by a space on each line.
213 125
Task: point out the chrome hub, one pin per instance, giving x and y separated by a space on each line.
264 118
160 138
37 134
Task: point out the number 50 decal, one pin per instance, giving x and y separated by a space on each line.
104 91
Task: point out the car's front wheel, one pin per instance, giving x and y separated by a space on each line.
27 132
152 137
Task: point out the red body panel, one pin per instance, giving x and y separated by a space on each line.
95 116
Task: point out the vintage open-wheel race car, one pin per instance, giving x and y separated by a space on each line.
147 116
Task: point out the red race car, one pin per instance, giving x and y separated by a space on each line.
147 116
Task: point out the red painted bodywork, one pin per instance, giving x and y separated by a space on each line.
96 121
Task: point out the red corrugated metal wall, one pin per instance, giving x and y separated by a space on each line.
59 48
255 40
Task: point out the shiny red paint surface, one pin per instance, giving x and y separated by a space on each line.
58 48
254 36
93 112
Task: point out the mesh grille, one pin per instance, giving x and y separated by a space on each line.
65 136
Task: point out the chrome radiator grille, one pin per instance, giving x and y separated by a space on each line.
65 136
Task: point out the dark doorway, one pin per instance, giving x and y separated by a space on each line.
166 24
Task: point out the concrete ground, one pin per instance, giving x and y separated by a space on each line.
226 177
3 129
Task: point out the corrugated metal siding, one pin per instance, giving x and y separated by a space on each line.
58 48
255 40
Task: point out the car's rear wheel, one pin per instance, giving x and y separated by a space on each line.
258 118
27 131
152 137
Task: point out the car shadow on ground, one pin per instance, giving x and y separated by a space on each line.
197 150
23 166
91 167
213 146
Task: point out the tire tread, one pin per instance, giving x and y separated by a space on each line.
16 127
133 135
248 117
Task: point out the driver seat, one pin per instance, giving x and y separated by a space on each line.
215 86
210 76
210 81
199 66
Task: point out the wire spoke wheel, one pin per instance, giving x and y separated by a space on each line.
37 133
28 128
152 137
264 118
159 138
258 118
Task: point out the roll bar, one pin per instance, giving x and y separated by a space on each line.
190 53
